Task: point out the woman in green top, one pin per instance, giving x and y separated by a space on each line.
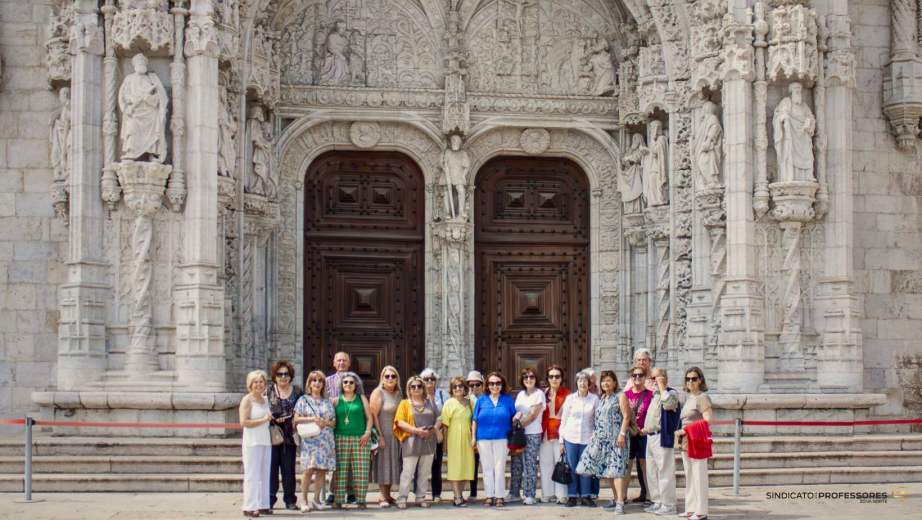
353 431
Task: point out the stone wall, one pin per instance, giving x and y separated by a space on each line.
32 241
888 226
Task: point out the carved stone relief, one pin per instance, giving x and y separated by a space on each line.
60 18
535 140
365 134
142 101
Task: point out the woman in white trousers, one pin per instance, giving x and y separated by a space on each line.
257 446
550 440
492 420
697 408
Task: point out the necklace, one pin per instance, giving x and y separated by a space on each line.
419 409
348 408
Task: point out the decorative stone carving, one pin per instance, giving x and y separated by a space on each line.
706 42
792 48
456 167
227 136
263 80
143 103
597 74
143 25
60 19
60 137
365 134
201 39
656 168
760 87
708 148
794 126
631 178
260 182
144 185
452 239
902 83
535 140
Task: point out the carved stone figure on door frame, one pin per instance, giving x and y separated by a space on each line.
708 148
260 181
598 67
227 131
336 69
794 125
60 137
456 166
656 168
143 103
631 181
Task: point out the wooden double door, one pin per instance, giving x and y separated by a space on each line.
364 263
532 266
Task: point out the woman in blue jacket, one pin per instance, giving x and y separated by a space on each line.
491 424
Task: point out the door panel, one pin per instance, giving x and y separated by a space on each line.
364 258
531 257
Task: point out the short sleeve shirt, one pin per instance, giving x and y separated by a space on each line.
523 405
493 420
694 407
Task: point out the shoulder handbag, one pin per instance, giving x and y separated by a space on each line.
516 437
561 473
309 430
632 427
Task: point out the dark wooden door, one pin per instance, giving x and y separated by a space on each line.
532 264
364 258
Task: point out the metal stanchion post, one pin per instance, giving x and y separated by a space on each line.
737 448
28 470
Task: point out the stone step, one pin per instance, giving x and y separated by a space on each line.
181 446
212 482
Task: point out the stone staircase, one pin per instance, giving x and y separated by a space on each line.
131 464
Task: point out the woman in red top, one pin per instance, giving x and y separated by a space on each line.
639 398
550 440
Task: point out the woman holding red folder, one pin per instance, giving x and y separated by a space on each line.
696 414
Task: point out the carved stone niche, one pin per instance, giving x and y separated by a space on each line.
58 59
792 50
264 79
145 25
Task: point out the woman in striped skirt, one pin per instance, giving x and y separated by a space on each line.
353 431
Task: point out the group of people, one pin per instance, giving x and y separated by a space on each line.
396 437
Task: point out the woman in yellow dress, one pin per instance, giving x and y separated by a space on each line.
456 421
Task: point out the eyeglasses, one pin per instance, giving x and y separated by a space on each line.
317 380
529 377
348 383
495 383
636 376
475 385
416 387
282 374
693 379
390 376
554 377
429 379
457 387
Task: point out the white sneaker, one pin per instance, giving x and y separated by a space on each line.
305 508
544 500
652 509
665 511
529 501
619 509
512 498
318 506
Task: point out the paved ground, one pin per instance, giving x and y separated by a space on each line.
755 505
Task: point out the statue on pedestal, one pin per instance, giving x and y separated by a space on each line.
708 148
60 137
260 182
631 184
656 168
794 126
456 165
143 102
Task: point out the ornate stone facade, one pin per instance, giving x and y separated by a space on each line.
718 142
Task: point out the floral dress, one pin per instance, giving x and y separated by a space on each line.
318 452
602 458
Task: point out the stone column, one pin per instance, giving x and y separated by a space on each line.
741 348
840 358
199 296
903 73
659 232
453 240
82 329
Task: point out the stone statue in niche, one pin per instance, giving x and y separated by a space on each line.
631 184
143 102
456 165
708 148
227 131
597 77
794 125
655 168
336 69
60 137
260 182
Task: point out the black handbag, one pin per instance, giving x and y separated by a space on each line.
561 473
516 437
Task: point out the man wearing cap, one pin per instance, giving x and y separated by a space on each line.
475 383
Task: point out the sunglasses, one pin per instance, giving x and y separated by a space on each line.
554 377
475 385
526 378
317 380
495 383
456 387
390 376
636 376
693 379
282 374
429 379
348 383
416 387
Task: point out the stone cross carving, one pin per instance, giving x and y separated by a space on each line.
655 168
143 102
260 183
631 176
456 165
60 137
708 148
794 126
227 131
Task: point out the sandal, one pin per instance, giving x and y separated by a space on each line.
384 504
500 502
401 506
392 500
488 502
459 502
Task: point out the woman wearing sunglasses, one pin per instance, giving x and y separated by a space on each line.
639 399
550 439
492 421
437 396
385 464
456 420
318 453
697 408
415 424
353 431
283 396
528 405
